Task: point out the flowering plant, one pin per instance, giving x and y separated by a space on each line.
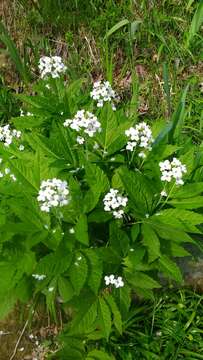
91 222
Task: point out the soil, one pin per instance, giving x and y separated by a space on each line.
20 342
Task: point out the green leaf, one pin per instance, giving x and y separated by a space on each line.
96 270
115 311
139 190
169 232
98 355
78 273
96 178
65 288
188 190
195 24
189 203
179 251
170 268
104 318
125 299
151 241
27 122
85 319
7 302
141 280
135 230
81 230
175 125
169 216
118 239
14 54
116 27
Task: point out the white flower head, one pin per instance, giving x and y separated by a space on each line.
21 147
51 66
39 277
115 202
7 135
85 123
139 137
102 92
173 170
112 280
163 193
53 193
80 140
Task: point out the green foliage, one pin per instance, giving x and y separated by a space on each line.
14 54
71 249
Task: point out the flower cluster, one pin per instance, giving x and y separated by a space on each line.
52 65
7 135
111 280
22 113
84 122
103 92
139 136
38 277
172 170
6 171
115 202
53 193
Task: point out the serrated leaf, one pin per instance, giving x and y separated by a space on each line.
115 311
151 241
125 300
85 319
118 239
104 318
96 270
169 267
78 273
65 288
81 230
188 191
96 178
99 355
142 281
171 232
178 251
189 203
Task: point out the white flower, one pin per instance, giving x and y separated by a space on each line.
80 140
12 176
163 193
139 136
103 92
71 231
172 170
115 202
21 147
84 122
7 171
111 280
50 289
53 193
7 135
52 66
39 277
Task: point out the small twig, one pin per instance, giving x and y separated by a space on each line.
90 50
19 339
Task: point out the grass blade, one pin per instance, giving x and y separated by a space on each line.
13 52
195 24
116 27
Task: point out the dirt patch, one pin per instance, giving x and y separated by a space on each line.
21 341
